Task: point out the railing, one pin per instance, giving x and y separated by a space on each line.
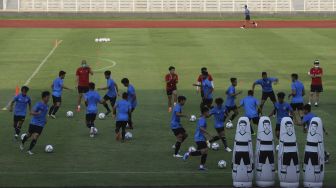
167 5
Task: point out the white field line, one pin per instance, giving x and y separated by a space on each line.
43 62
37 69
123 172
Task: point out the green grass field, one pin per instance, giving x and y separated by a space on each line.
143 55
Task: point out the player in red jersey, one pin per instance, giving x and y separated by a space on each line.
316 87
82 80
204 71
171 80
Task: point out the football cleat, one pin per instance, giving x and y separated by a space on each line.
228 149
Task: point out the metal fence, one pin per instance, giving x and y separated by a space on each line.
166 5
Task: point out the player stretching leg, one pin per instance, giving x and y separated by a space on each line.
219 112
176 127
82 80
251 107
200 139
308 116
112 92
248 18
37 123
92 98
131 98
57 88
298 92
122 111
281 109
316 87
267 89
21 102
171 80
230 104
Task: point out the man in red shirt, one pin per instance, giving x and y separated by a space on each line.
316 87
82 79
204 71
171 80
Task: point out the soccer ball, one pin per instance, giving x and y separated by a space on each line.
101 116
191 149
95 131
23 135
69 114
229 125
49 149
192 118
221 164
215 146
128 136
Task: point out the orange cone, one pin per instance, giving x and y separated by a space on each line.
17 90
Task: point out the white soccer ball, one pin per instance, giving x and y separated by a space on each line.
215 146
229 125
193 118
191 149
69 114
23 135
128 136
101 116
221 164
95 131
49 149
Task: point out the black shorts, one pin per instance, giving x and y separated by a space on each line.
219 130
170 91
56 99
266 95
19 118
255 120
263 155
288 157
111 99
83 89
316 88
201 145
231 108
242 155
313 156
178 131
35 129
277 127
297 106
90 117
207 102
120 124
247 17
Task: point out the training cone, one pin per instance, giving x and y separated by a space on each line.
17 91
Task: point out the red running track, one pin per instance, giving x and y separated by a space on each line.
159 24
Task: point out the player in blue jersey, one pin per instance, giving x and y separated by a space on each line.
230 103
200 139
38 121
121 111
251 106
92 98
306 120
21 101
112 91
220 112
298 92
132 99
57 88
207 90
267 89
281 109
247 14
176 126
